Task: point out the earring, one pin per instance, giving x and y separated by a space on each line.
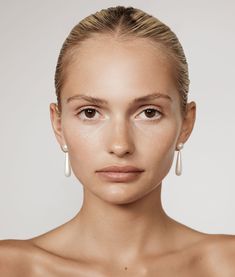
178 167
67 168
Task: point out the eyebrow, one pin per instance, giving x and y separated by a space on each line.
99 101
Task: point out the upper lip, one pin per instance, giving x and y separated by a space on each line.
127 168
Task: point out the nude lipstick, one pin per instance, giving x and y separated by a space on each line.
120 173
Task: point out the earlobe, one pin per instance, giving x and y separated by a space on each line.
188 122
56 123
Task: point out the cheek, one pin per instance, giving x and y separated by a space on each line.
160 137
158 148
85 143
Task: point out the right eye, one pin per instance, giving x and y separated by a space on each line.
88 113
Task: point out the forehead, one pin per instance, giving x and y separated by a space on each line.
107 66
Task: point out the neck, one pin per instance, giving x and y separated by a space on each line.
125 229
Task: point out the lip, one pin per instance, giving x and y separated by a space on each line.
122 169
119 176
120 173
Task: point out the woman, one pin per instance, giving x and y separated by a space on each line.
121 113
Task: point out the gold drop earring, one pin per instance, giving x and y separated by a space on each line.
67 168
178 167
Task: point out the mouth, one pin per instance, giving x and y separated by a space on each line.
123 169
120 174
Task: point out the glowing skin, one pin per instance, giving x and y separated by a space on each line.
120 128
121 228
120 132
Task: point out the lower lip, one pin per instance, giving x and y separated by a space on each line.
119 176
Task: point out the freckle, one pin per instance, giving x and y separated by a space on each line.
125 268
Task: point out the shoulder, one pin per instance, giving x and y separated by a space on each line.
216 255
18 258
221 246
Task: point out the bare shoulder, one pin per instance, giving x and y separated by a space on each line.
26 258
215 255
18 258
11 256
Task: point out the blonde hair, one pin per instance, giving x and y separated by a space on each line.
124 23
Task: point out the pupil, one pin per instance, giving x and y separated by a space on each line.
89 112
150 112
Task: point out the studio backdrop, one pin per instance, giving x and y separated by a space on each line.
35 196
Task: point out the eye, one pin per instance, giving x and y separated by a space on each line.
88 112
152 113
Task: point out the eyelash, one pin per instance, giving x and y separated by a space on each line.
93 109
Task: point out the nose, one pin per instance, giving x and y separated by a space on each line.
121 142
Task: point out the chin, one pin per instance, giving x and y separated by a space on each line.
120 194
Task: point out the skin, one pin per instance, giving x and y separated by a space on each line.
121 229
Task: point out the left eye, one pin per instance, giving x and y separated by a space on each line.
151 112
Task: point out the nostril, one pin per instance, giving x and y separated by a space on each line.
121 150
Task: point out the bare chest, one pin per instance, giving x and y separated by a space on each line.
165 267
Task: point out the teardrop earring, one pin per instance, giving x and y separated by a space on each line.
178 167
67 168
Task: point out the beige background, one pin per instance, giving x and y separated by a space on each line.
35 196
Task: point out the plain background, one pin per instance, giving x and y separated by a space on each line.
35 196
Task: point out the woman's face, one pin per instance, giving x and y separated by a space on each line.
117 129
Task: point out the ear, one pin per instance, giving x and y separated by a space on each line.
188 122
55 116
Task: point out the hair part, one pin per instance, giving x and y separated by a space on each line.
124 23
